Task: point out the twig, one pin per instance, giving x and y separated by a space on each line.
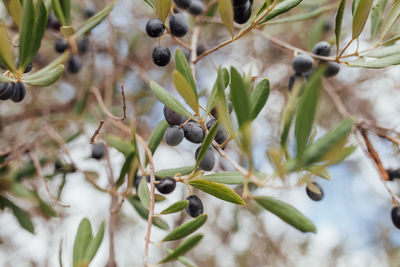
36 163
100 101
96 132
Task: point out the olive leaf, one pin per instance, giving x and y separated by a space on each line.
186 228
206 143
231 178
378 63
226 12
61 10
361 14
23 218
157 135
162 8
390 19
119 144
126 167
180 250
279 9
240 97
377 10
144 193
182 66
287 213
258 98
143 212
217 190
186 91
6 58
171 172
45 79
302 16
339 21
383 51
15 9
176 207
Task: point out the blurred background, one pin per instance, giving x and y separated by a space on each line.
353 220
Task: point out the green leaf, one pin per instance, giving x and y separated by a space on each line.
377 10
94 245
183 248
331 140
45 79
93 21
240 97
391 40
15 9
176 207
360 17
186 229
226 12
144 194
320 171
287 213
342 155
232 178
221 102
22 217
289 112
279 9
258 98
303 16
6 58
171 172
66 8
150 3
42 72
206 143
383 51
217 190
223 76
390 19
33 26
143 212
125 168
169 100
58 11
162 8
4 79
157 135
186 91
182 66
306 109
338 22
377 63
119 144
82 240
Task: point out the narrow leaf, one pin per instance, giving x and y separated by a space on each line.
119 144
303 16
217 190
82 240
186 228
287 213
171 172
258 98
6 58
360 17
377 10
206 143
125 168
240 97
377 63
383 51
58 11
183 248
182 65
226 12
23 218
176 207
94 244
390 19
162 8
186 91
45 79
15 9
144 194
279 9
338 22
157 135
143 212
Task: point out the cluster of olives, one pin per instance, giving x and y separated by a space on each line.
303 64
15 91
74 62
178 27
242 10
180 127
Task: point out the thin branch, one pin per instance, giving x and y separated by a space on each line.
39 171
96 133
100 101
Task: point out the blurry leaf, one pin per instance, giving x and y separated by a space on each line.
377 10
159 198
186 228
213 96
306 109
338 22
287 213
342 155
119 144
275 156
318 30
15 9
225 177
289 112
26 171
391 40
303 16
182 66
144 194
67 31
46 208
206 143
226 12
22 217
4 79
58 11
157 135
125 168
258 98
82 240
150 3
94 245
186 91
176 207
240 97
360 17
171 172
46 79
383 51
336 137
221 103
42 72
183 248
390 19
320 171
92 174
143 212
379 63
93 21
220 191
279 9
33 26
6 58
162 8
169 100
